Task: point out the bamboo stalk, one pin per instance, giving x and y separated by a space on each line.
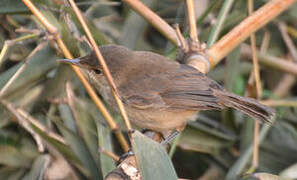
192 21
256 75
242 31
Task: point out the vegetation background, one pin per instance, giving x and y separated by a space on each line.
43 134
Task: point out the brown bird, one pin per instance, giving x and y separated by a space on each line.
160 94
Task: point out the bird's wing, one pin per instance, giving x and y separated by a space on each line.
177 89
145 101
190 89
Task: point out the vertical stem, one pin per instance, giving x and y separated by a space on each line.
256 144
256 69
258 88
288 41
215 31
192 21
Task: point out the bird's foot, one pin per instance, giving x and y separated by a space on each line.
126 155
169 138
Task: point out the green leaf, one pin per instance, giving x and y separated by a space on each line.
195 140
207 11
38 169
67 117
265 176
152 159
11 173
232 69
86 127
215 31
105 142
136 23
245 157
99 37
104 138
12 6
42 62
80 149
68 38
64 149
11 156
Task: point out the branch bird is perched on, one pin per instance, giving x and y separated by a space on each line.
160 94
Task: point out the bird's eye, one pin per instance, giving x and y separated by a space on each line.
97 71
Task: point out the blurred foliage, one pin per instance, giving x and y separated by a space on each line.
217 145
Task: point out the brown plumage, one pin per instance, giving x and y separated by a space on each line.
161 94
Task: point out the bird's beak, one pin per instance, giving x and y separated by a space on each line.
75 61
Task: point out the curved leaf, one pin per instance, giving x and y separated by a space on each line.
152 159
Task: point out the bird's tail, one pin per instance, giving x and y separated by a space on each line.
249 106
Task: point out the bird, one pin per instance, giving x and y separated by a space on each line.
161 94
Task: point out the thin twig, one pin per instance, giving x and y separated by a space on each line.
256 73
112 124
192 21
12 22
26 125
271 61
256 144
71 101
51 28
265 42
244 159
256 68
110 154
288 41
9 43
27 30
4 50
207 11
104 3
103 64
21 69
288 80
285 84
24 117
282 103
181 40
